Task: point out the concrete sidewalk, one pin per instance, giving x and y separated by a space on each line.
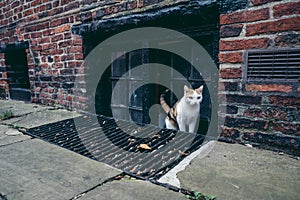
34 169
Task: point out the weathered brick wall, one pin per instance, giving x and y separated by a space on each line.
259 112
55 55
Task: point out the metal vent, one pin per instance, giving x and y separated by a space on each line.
275 65
105 141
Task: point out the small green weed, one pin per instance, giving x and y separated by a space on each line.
6 115
199 196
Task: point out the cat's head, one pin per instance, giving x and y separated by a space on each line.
193 96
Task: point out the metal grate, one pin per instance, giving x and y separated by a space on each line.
273 65
105 141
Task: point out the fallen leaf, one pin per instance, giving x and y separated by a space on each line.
144 146
183 153
248 145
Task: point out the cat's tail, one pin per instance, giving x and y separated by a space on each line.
163 103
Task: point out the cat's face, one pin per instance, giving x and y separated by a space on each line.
193 97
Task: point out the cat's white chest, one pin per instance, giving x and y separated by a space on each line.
187 114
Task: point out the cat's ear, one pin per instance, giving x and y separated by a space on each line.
186 89
199 89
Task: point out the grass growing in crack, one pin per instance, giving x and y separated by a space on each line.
6 115
199 196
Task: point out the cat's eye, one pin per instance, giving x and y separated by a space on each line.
191 98
198 97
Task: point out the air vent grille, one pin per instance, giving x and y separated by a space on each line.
283 65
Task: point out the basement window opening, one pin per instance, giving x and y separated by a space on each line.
199 24
17 73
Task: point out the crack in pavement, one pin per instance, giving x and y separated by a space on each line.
109 180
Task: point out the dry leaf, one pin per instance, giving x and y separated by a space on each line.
183 153
155 136
144 146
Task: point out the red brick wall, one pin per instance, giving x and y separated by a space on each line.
55 55
259 112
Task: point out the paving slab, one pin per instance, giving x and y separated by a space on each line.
39 118
28 115
10 136
20 108
232 171
132 190
36 170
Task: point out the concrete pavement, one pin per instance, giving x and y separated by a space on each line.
34 169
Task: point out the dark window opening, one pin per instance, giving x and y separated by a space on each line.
202 26
17 74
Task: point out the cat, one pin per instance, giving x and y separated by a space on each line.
185 112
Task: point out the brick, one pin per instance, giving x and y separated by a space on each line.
64 2
288 40
254 112
231 30
15 4
42 26
35 3
243 99
269 88
231 57
52 52
66 71
65 43
131 5
77 42
87 2
84 16
230 109
75 49
72 6
79 57
43 14
231 73
36 48
48 32
273 27
284 101
287 128
67 35
43 40
28 12
58 22
55 3
278 141
45 78
245 16
56 38
246 123
279 113
49 46
260 43
260 2
230 132
292 8
63 28
56 11
67 57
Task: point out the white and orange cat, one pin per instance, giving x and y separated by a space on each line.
185 113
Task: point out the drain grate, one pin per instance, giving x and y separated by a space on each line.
143 151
